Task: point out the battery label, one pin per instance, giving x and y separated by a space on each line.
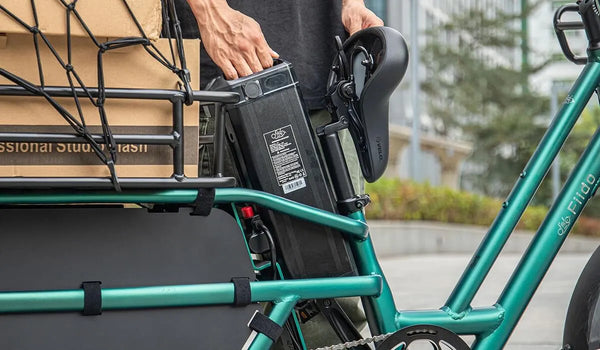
294 185
285 158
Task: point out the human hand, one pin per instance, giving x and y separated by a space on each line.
356 16
233 40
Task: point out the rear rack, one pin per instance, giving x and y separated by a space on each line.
174 139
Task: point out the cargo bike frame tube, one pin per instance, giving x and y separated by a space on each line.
284 294
491 325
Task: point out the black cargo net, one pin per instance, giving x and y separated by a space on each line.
176 63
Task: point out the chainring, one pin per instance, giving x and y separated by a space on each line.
439 338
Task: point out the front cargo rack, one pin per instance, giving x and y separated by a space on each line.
174 140
105 143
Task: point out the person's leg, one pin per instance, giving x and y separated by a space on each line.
317 331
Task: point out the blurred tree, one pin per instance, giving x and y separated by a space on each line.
472 94
583 131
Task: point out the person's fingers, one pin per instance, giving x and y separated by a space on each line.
236 43
371 20
355 16
228 70
272 54
252 49
263 52
253 61
354 25
264 55
242 67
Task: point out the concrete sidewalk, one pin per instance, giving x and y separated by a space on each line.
397 238
425 282
424 260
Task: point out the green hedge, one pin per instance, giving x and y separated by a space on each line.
394 199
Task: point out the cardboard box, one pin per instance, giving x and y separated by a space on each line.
130 67
105 18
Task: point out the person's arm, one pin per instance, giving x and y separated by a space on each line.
233 40
356 16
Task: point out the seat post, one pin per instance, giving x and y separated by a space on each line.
336 164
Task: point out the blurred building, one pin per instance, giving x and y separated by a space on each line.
433 13
544 45
441 158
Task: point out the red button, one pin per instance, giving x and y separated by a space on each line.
247 212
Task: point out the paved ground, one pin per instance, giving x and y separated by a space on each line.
425 281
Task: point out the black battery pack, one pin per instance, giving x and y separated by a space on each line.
277 153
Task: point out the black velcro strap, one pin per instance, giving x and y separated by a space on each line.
204 202
262 324
92 298
242 292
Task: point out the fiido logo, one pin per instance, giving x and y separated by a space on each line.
581 196
576 204
564 224
277 134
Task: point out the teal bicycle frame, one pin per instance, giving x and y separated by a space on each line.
491 325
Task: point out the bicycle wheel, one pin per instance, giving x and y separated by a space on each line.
582 325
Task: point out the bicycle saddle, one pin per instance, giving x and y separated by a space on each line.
368 68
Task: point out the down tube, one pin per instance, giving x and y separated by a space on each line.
579 188
527 183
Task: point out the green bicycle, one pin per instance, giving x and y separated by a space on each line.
171 280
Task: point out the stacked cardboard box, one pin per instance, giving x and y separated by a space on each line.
104 18
130 67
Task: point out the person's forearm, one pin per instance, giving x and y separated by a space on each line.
204 9
356 16
346 2
233 40
205 4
